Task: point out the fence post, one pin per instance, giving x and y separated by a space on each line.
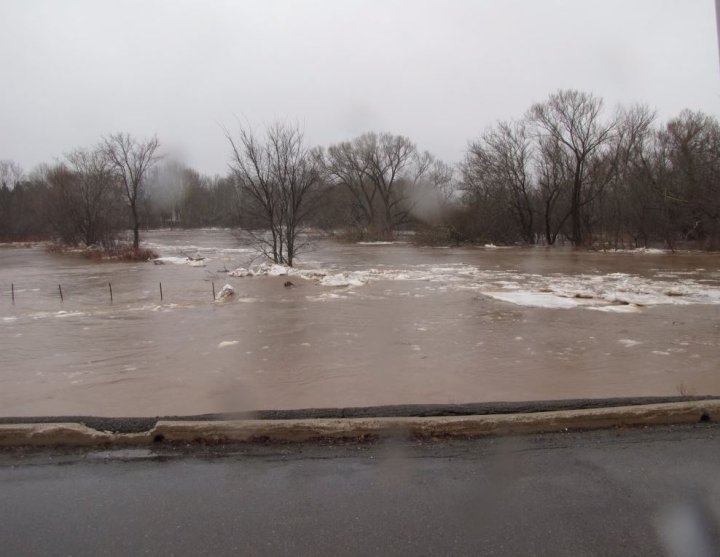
12 289
213 285
161 295
61 294
111 297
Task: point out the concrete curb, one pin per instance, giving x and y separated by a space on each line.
139 424
238 431
66 435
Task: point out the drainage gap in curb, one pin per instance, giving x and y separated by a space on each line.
705 417
159 438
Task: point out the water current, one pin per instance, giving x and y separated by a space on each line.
361 325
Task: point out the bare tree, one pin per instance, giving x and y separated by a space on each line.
278 178
378 170
628 205
573 120
500 161
552 169
63 206
98 195
84 199
131 159
690 144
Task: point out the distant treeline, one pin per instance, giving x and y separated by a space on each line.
568 171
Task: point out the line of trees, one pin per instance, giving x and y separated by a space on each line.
567 171
88 198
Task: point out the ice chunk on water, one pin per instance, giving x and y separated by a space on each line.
175 260
264 269
628 342
225 293
629 308
534 299
278 271
172 259
225 343
649 251
607 292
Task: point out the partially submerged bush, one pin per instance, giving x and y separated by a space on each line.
128 253
116 252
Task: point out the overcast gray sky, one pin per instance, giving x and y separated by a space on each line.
436 71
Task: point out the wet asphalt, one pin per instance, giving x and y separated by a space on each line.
648 491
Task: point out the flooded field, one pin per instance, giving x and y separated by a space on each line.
363 324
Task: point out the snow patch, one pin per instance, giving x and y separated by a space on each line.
628 342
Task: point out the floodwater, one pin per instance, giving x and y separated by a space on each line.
363 324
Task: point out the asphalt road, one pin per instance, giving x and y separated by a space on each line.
649 491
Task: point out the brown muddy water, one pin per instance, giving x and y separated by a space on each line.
364 324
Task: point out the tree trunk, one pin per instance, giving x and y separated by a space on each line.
136 227
548 227
577 234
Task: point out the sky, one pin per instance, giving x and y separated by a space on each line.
439 72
